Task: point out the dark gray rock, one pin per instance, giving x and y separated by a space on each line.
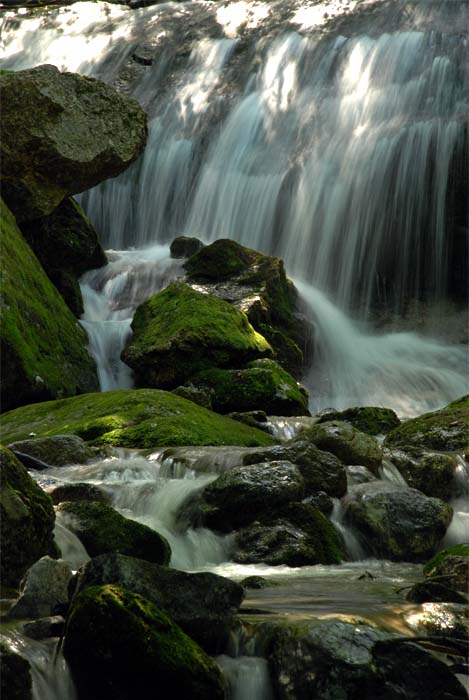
56 450
45 627
367 419
185 246
43 590
434 592
79 492
348 444
432 473
15 678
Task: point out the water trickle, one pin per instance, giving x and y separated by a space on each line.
248 677
458 530
353 546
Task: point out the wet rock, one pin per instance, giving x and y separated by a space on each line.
432 473
321 501
42 109
254 582
185 247
15 678
261 386
348 444
119 645
441 620
79 492
395 522
43 589
56 450
203 605
102 529
321 471
296 535
45 627
180 332
444 430
26 520
256 419
433 591
451 567
367 419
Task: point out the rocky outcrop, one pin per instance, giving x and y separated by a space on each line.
44 589
26 520
119 645
62 133
351 446
43 348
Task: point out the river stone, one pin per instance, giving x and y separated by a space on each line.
432 473
451 567
45 627
203 605
43 590
185 246
102 529
83 127
79 492
56 450
348 444
440 620
396 522
239 496
120 646
26 520
434 592
15 678
444 430
321 471
367 419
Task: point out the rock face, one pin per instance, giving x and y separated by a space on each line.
15 678
367 419
203 605
179 332
102 529
348 444
432 473
130 418
444 430
26 520
83 127
397 523
43 590
43 348
256 284
262 385
66 245
119 645
57 451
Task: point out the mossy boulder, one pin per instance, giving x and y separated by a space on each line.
451 567
179 332
79 491
26 520
263 385
397 523
66 245
15 678
368 419
204 605
119 645
143 418
256 284
102 529
43 348
62 133
56 451
185 246
351 446
432 473
444 430
295 535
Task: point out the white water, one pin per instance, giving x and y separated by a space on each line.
458 530
248 677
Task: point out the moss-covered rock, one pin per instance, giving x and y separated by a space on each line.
119 645
445 430
451 567
262 385
62 133
368 419
256 284
185 246
26 520
143 418
15 678
66 245
42 346
57 451
432 473
179 332
102 529
351 446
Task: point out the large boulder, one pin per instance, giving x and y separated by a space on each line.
15 678
102 529
62 133
43 348
368 419
204 605
66 245
295 535
120 645
432 473
395 522
26 520
263 385
180 332
256 284
56 451
351 446
145 418
444 430
44 589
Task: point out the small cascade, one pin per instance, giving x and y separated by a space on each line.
285 428
389 472
248 677
71 548
175 462
353 546
458 531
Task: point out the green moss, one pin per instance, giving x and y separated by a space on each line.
119 645
369 419
43 348
457 550
220 261
143 418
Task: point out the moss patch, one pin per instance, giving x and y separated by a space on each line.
142 418
457 550
369 419
43 348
